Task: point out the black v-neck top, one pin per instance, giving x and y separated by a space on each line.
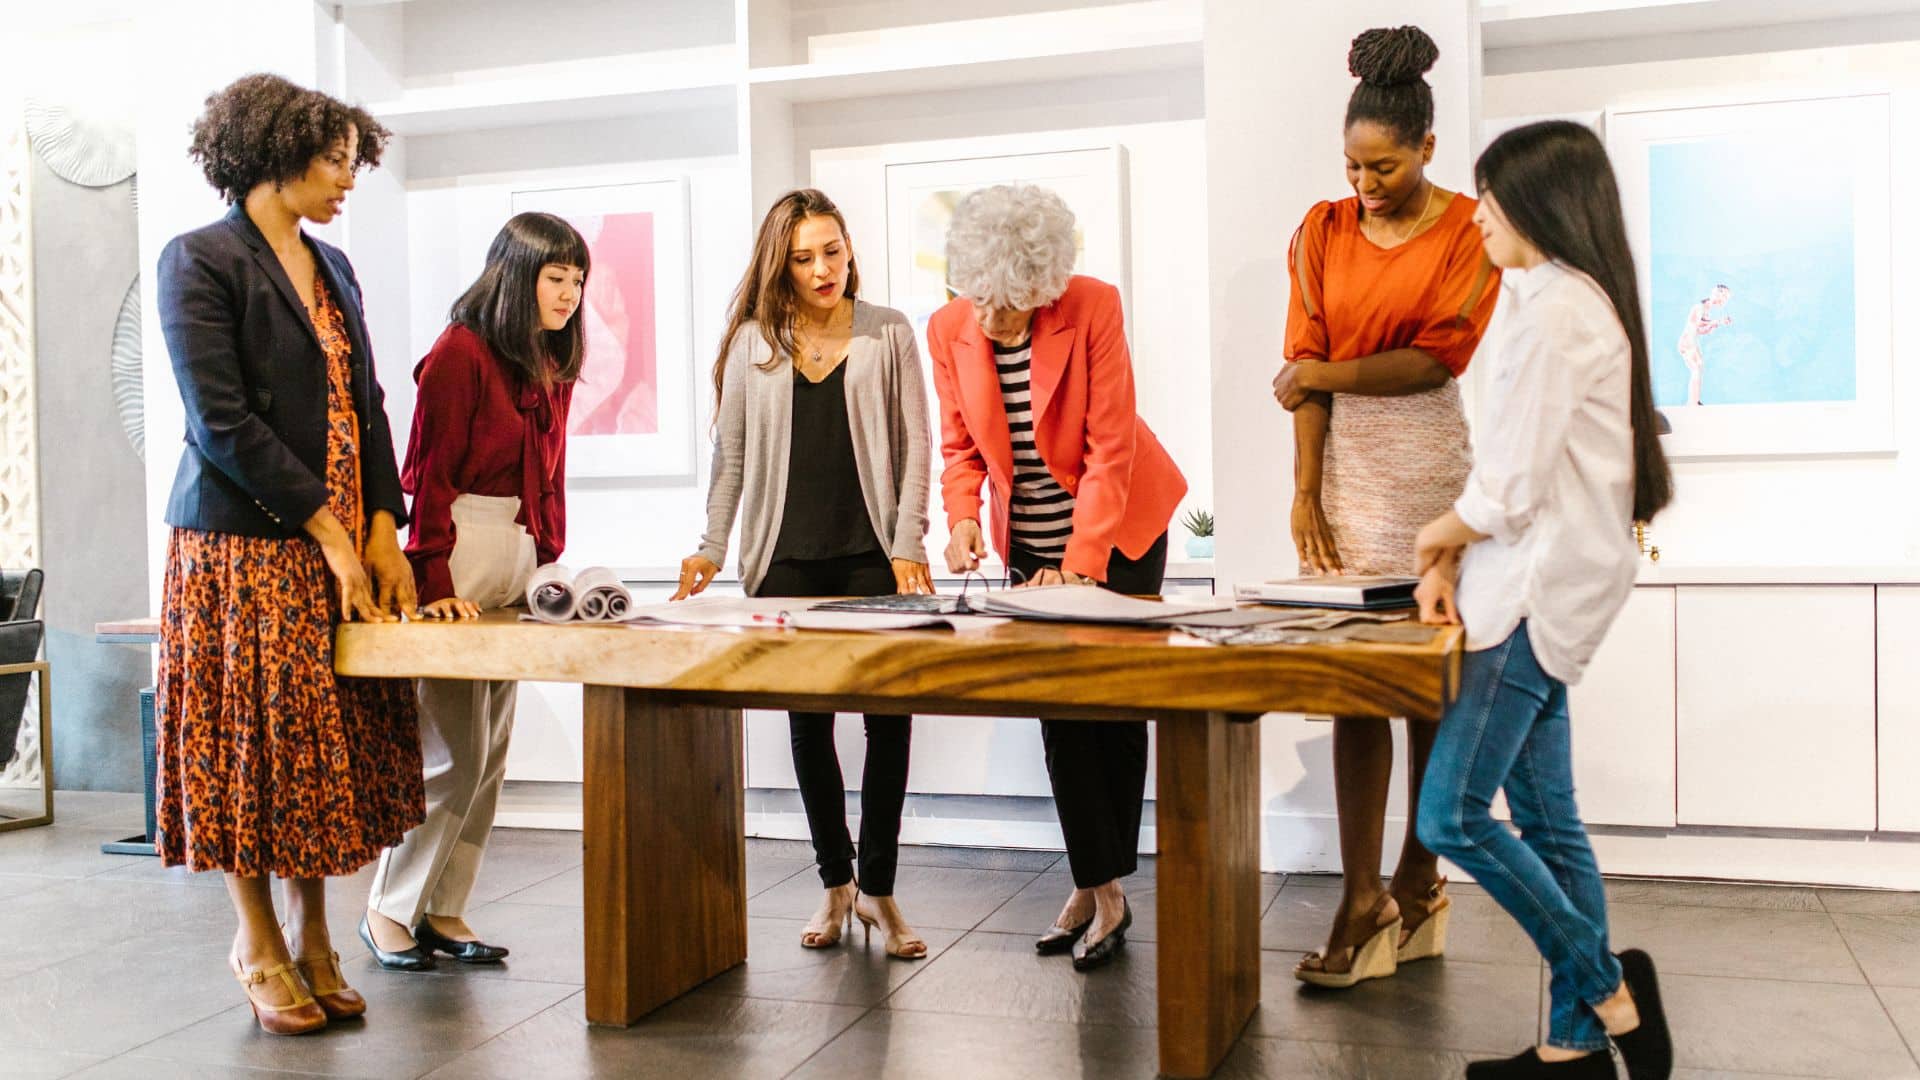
826 511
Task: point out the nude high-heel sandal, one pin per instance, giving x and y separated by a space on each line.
898 946
1374 958
1429 939
830 934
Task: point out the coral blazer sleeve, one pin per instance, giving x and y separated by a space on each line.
965 467
1111 427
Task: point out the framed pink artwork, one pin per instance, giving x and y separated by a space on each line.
633 408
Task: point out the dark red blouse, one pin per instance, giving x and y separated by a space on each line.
480 429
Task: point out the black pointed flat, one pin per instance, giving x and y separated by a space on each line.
1647 1049
1101 953
1059 939
1527 1065
414 959
467 952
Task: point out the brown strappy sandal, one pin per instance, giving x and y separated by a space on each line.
329 985
1425 936
302 1015
1373 958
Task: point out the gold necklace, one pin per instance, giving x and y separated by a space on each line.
1402 238
813 350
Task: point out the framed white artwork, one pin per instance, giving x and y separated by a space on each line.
633 413
921 196
1759 233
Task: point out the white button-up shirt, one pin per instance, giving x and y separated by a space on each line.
1552 482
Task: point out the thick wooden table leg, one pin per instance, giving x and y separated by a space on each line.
1209 887
666 852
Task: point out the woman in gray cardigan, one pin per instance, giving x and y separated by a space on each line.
821 438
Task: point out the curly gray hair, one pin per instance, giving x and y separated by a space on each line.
1011 245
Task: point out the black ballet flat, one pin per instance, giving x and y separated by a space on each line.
1101 953
414 959
467 952
1060 939
1528 1066
1647 1049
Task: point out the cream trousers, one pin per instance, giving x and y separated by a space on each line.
465 726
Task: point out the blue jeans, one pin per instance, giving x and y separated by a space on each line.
1509 729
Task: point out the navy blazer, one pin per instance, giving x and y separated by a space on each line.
254 380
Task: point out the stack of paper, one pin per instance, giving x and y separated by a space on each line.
1083 603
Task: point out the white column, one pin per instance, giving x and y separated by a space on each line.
1277 89
191 48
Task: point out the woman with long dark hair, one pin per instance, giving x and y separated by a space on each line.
1539 541
821 446
1390 295
284 514
486 466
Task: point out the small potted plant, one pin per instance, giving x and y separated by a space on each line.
1200 524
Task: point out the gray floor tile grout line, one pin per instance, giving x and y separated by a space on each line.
1913 1048
510 1027
1861 968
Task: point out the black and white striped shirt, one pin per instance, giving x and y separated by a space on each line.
1041 514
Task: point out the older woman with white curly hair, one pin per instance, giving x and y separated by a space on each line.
1037 400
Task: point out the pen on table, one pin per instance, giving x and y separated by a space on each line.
780 619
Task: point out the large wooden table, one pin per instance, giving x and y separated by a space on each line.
666 899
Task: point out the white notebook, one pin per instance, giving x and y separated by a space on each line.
1333 590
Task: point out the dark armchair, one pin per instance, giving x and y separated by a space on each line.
21 635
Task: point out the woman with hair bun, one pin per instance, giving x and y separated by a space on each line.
1390 295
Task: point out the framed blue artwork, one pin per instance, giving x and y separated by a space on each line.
1760 234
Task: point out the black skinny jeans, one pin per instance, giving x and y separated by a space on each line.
1098 768
883 783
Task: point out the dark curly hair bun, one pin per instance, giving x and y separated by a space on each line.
1392 92
1392 57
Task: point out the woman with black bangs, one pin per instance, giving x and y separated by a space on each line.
486 466
284 513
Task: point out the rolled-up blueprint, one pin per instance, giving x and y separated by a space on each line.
551 595
601 597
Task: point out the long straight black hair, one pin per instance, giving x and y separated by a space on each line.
1555 186
503 306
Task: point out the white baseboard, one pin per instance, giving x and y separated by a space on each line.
1310 843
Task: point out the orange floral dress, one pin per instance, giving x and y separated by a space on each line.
269 763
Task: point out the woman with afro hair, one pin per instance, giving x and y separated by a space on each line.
284 513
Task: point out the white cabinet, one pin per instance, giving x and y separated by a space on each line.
1899 656
1623 718
1776 706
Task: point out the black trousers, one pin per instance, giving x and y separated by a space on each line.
1098 768
883 783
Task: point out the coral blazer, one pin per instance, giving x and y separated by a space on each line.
1124 483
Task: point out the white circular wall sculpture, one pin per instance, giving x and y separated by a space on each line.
128 391
81 145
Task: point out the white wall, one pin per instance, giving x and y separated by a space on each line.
1788 511
1276 93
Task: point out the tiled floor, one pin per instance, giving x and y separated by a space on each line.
113 967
